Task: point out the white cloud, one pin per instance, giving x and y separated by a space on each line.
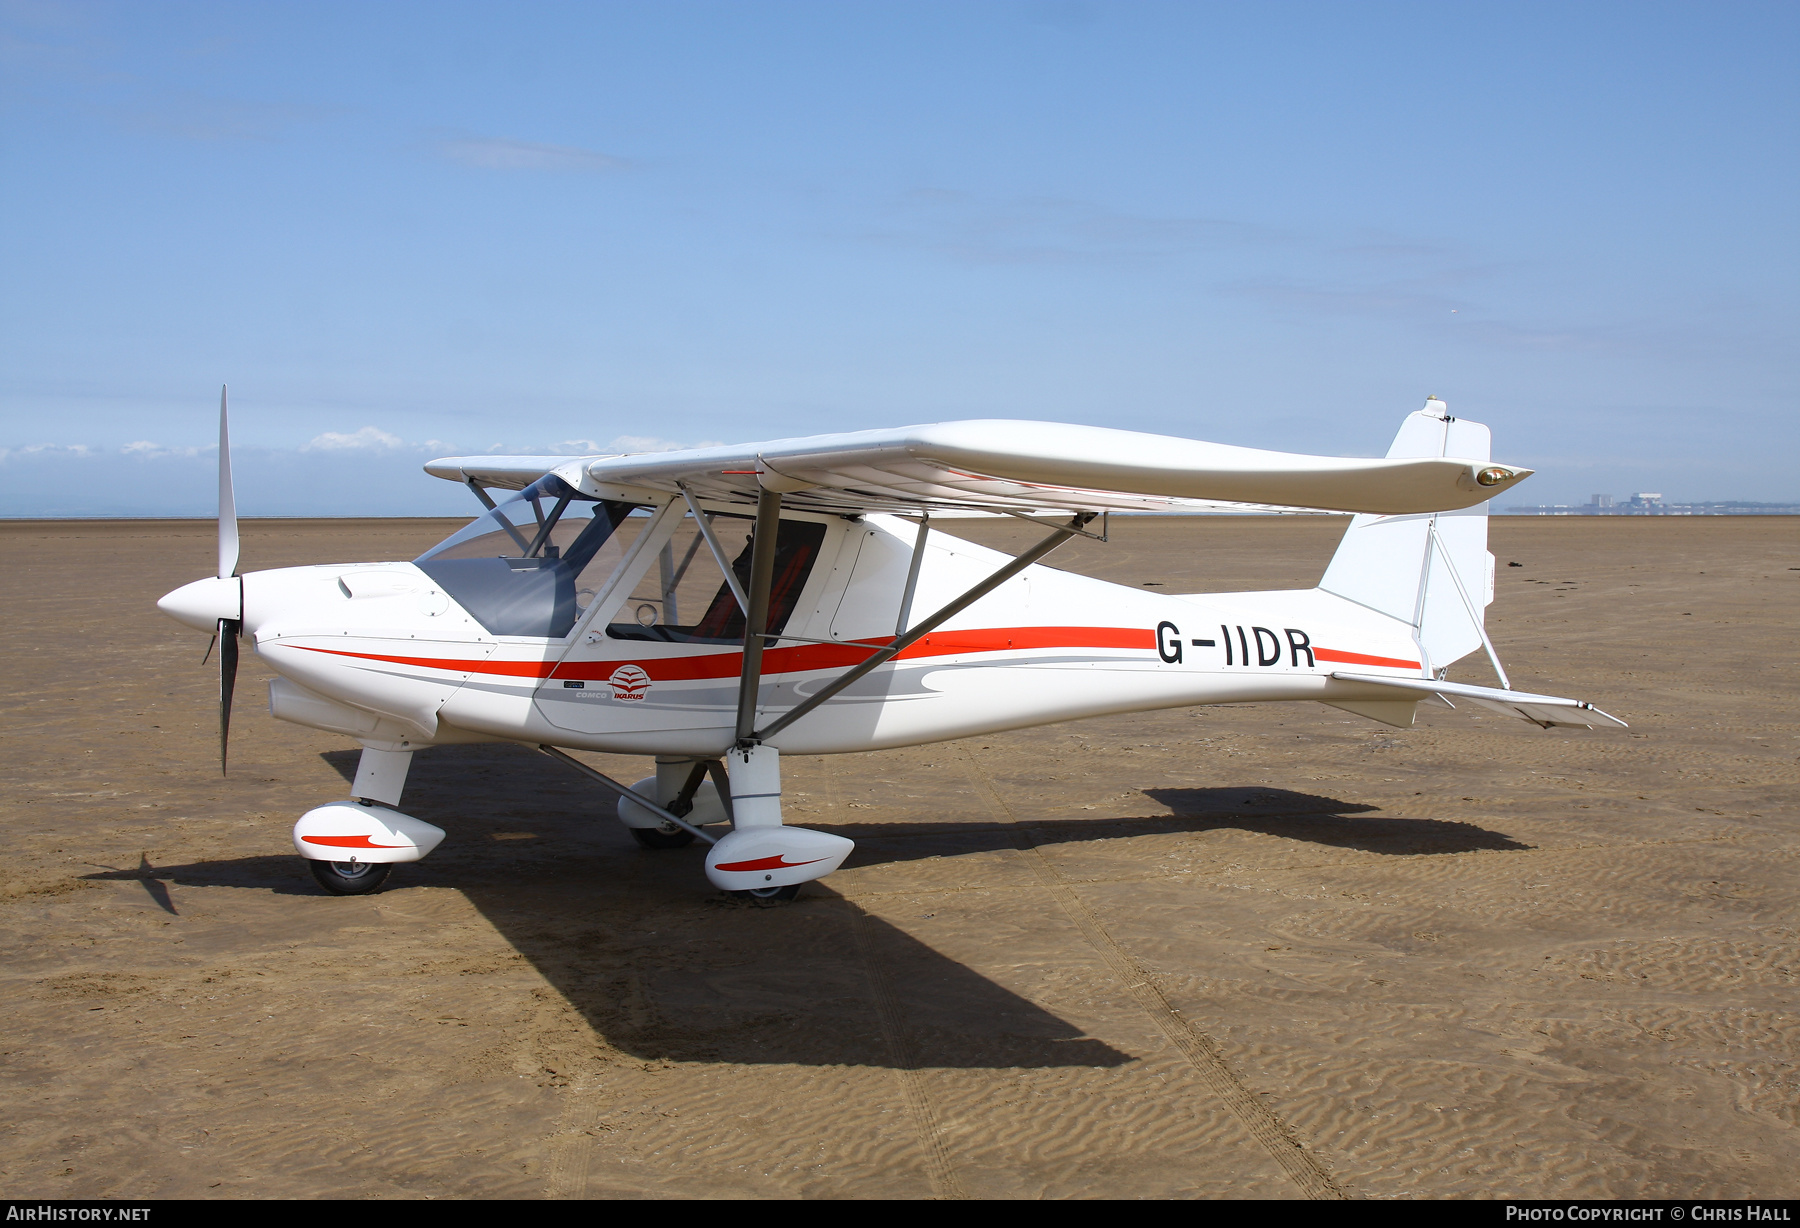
143 449
623 445
48 449
641 443
499 154
368 437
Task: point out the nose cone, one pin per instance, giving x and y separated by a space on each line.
203 603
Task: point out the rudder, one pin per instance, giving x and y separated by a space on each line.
1431 571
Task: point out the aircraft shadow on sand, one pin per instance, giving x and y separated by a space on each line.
663 970
663 967
1276 812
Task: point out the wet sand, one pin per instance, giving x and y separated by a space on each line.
1269 951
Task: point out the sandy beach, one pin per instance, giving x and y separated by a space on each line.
1265 951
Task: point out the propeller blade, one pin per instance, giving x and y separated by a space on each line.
228 663
228 529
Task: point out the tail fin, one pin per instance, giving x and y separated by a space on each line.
1431 571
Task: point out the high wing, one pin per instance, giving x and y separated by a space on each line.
499 472
1002 465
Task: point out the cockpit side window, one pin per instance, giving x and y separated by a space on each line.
688 576
532 564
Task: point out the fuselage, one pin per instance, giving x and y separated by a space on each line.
381 651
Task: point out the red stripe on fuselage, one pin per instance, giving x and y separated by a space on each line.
1357 658
804 657
794 660
516 669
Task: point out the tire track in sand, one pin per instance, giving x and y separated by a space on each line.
572 1145
903 1058
1301 1167
942 1173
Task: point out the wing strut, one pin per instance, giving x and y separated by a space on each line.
883 655
718 550
756 618
912 574
486 500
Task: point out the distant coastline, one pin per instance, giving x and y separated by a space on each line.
1658 508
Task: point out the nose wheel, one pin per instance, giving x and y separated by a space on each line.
764 897
349 877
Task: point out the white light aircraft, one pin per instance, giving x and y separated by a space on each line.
720 608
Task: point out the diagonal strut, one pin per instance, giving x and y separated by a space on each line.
882 656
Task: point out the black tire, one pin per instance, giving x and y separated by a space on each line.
343 878
657 838
768 896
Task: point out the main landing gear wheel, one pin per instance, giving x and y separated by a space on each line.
766 896
657 838
349 877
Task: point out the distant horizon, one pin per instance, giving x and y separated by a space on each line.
474 512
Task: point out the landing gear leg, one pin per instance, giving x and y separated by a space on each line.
756 802
671 777
381 773
681 787
366 833
762 860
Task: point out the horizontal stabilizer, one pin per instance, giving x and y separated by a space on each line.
1541 710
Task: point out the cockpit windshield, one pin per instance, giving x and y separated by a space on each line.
531 565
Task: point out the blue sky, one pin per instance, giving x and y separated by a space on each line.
401 230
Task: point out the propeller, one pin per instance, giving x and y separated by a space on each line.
228 628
